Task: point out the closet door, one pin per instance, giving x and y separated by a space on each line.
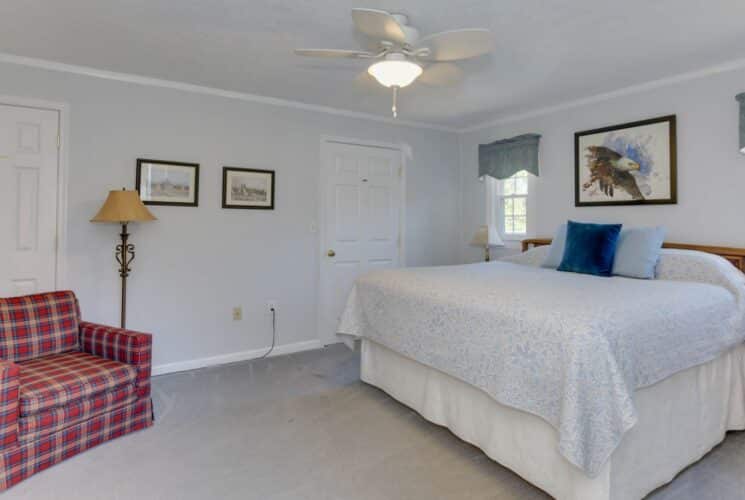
361 222
29 155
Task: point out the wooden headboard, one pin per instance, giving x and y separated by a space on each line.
735 255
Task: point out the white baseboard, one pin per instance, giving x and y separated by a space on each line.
193 364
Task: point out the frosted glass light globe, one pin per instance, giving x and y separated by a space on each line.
395 72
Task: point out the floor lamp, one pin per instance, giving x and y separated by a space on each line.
123 207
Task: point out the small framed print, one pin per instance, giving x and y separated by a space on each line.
168 183
247 188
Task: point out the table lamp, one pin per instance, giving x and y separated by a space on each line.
486 237
123 207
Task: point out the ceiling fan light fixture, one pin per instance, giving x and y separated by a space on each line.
400 50
395 72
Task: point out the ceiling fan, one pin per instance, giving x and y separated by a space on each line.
400 53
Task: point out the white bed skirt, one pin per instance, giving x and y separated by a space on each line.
680 420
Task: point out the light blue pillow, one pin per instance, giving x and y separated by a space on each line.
638 252
556 251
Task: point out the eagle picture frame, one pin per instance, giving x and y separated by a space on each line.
628 164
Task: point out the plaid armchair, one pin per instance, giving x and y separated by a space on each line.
65 385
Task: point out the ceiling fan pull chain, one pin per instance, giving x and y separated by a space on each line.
395 101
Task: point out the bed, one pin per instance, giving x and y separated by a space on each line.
590 388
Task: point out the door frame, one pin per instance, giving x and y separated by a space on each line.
63 159
405 154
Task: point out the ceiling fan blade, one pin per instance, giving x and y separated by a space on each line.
378 24
441 75
349 54
457 44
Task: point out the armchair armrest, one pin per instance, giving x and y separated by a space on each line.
9 403
125 346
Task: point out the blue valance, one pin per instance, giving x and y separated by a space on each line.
741 99
504 158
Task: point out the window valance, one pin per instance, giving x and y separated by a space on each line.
504 158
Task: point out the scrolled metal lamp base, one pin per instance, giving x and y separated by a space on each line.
125 254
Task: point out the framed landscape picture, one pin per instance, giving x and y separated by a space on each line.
628 164
247 188
168 183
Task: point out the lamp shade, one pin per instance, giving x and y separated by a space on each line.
122 207
485 237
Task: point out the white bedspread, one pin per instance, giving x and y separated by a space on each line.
569 348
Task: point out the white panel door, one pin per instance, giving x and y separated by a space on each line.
362 204
28 199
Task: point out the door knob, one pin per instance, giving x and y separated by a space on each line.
331 253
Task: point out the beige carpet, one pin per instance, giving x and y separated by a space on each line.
304 427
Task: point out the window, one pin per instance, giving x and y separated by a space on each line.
513 194
512 205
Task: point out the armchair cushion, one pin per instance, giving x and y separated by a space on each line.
57 380
37 325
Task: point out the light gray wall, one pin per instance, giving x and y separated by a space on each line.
194 264
711 172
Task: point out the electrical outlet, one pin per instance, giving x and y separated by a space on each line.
272 304
237 313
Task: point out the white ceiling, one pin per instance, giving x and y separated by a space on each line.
547 51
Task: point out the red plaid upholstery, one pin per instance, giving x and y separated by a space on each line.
19 462
65 385
40 424
60 379
9 386
36 325
126 346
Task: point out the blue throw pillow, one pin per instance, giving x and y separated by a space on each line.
590 248
556 251
638 252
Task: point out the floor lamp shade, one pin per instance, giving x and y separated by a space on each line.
123 207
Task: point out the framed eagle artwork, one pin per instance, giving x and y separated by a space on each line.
628 164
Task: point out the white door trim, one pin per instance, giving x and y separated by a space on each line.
404 151
62 175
